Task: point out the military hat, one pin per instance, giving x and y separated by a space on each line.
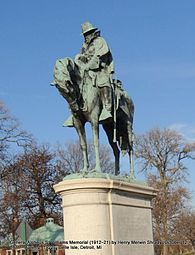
87 27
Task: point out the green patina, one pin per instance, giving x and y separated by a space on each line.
95 174
88 85
50 232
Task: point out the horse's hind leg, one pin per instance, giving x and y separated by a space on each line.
116 151
116 156
83 143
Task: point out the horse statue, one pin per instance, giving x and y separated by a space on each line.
85 105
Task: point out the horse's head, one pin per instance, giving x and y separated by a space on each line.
65 80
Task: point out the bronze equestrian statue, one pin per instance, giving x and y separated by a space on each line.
94 96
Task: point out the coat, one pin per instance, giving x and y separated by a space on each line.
97 61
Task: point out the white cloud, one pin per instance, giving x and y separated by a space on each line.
188 131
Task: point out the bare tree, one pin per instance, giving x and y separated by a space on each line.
39 175
28 189
185 228
165 151
162 155
10 132
167 207
10 203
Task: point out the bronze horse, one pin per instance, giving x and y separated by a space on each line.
85 104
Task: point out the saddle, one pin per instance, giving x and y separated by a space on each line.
122 99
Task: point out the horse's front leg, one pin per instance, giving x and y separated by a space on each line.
95 129
83 142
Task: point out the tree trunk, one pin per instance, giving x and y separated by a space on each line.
165 249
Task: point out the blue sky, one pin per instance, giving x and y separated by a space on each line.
152 42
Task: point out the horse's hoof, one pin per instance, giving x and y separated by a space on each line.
84 170
96 170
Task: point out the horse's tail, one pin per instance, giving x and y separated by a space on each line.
124 125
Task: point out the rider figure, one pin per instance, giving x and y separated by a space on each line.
96 60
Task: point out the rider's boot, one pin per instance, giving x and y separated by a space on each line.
69 122
106 95
105 115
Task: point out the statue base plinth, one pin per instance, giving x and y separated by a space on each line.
106 217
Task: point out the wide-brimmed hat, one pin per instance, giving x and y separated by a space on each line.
87 27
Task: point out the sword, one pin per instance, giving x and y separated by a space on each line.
114 106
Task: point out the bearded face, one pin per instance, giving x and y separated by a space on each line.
88 37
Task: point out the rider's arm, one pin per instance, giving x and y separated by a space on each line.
101 49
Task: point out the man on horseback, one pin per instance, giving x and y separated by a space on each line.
95 63
86 83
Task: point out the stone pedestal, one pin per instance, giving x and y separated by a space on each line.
106 217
